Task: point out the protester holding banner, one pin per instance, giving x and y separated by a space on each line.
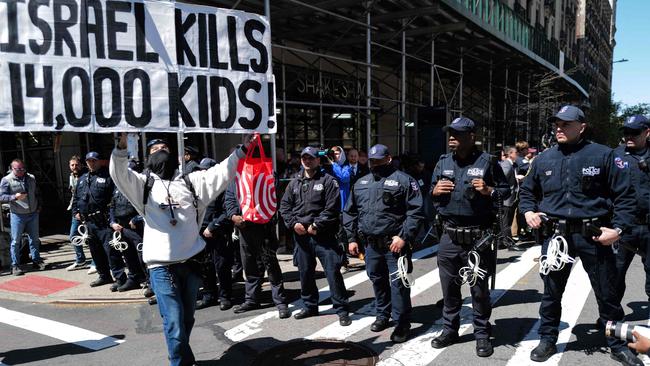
311 208
251 203
172 210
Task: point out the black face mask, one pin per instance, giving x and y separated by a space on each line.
382 171
163 164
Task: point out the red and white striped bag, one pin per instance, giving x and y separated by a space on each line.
256 185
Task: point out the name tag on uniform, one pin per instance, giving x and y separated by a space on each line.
591 171
448 172
363 182
101 180
548 172
318 187
476 172
391 183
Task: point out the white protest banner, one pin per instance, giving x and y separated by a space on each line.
133 65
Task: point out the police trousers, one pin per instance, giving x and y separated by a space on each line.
219 253
392 298
451 258
599 262
638 237
107 260
328 251
258 245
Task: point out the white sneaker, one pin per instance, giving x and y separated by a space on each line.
92 270
75 265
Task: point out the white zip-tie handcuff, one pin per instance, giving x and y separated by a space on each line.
471 273
117 242
402 272
82 238
556 255
139 247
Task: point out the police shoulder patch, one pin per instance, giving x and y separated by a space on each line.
620 163
415 186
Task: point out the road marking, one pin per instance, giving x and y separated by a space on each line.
365 316
574 298
254 325
418 351
65 332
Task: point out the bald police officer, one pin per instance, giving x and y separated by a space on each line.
384 211
577 186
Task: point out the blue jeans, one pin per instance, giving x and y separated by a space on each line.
24 223
176 287
78 250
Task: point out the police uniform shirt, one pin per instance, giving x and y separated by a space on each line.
93 193
384 206
639 175
579 181
465 201
312 200
121 211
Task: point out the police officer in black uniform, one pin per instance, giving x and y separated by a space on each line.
123 220
636 154
385 212
216 230
90 206
465 185
258 245
577 186
310 207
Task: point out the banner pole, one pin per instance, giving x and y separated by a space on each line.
181 150
267 14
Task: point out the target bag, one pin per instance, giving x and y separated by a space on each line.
256 185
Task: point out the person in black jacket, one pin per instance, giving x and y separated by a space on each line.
216 230
90 206
311 207
384 211
258 245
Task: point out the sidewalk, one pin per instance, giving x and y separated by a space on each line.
57 285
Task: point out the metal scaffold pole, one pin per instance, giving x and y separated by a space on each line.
267 14
368 84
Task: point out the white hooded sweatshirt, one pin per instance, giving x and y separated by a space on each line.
163 242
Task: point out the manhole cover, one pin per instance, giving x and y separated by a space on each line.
317 353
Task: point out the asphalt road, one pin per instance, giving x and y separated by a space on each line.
131 334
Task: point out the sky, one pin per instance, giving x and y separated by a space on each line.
631 79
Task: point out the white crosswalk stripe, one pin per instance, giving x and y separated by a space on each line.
64 332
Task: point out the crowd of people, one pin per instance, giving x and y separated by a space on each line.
180 233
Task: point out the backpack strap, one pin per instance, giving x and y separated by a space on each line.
195 198
148 184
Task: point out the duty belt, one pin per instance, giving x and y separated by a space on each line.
98 218
464 235
570 226
378 242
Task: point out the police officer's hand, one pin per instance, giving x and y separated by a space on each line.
20 196
443 187
311 230
116 226
642 344
248 139
207 233
77 216
353 248
533 219
608 237
132 225
481 187
238 220
122 142
397 244
299 229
